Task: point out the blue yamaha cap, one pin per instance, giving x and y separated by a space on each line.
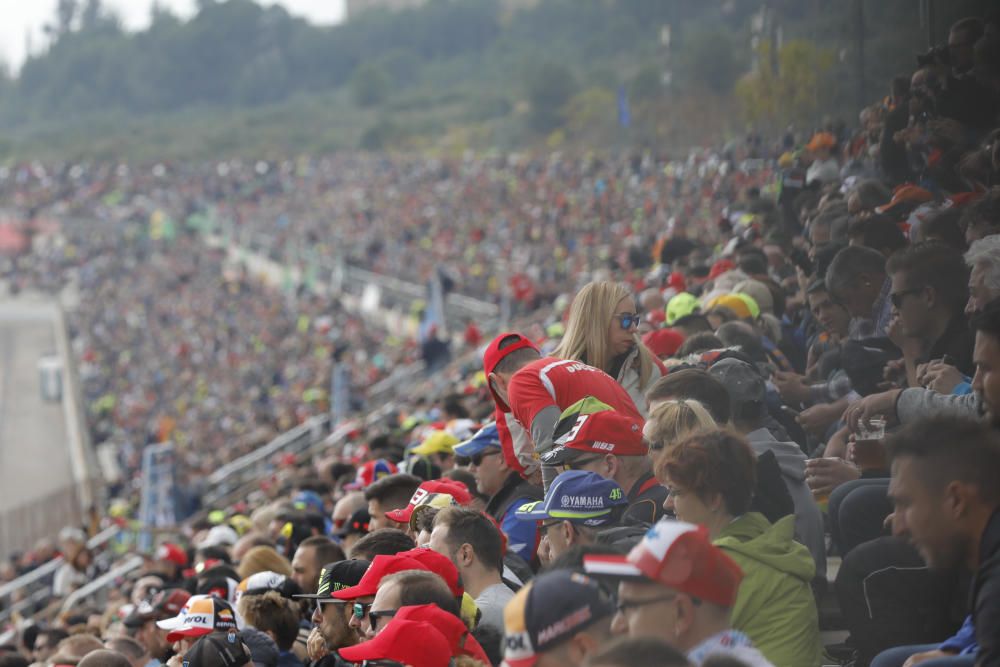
484 438
578 496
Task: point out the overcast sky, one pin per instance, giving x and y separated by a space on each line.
19 17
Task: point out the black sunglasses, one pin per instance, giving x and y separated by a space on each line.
897 297
373 616
477 459
385 662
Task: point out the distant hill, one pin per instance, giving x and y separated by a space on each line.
447 75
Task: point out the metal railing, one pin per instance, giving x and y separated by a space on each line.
97 588
37 584
258 463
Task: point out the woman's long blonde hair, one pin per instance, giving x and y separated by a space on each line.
586 337
670 421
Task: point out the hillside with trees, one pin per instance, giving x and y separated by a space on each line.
452 75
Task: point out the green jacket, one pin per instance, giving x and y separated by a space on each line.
775 606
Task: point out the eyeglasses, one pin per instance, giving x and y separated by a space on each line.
361 609
477 459
625 605
628 320
897 297
318 604
385 662
373 616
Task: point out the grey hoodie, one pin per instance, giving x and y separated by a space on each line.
918 403
808 518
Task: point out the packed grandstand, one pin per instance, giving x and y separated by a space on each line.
633 409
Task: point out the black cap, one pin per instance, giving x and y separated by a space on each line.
337 576
357 524
219 649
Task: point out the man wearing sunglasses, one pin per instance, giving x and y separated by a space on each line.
929 293
506 489
330 615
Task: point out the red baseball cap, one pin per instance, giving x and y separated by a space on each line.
663 342
677 555
381 567
451 626
437 563
371 472
413 643
172 553
494 355
456 490
603 432
721 267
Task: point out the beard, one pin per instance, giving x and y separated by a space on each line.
339 634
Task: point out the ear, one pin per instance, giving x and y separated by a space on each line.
956 499
930 296
568 533
612 464
466 554
716 503
685 615
498 382
580 646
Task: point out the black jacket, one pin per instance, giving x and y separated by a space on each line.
645 501
986 596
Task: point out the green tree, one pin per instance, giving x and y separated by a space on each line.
549 87
591 116
370 84
707 59
795 92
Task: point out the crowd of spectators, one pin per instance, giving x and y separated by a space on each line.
753 369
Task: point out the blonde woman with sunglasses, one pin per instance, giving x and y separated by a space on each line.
602 332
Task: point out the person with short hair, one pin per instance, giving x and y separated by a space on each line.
476 547
711 477
382 542
692 384
404 589
278 618
389 493
945 488
506 488
104 658
135 652
46 642
310 556
929 292
857 279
